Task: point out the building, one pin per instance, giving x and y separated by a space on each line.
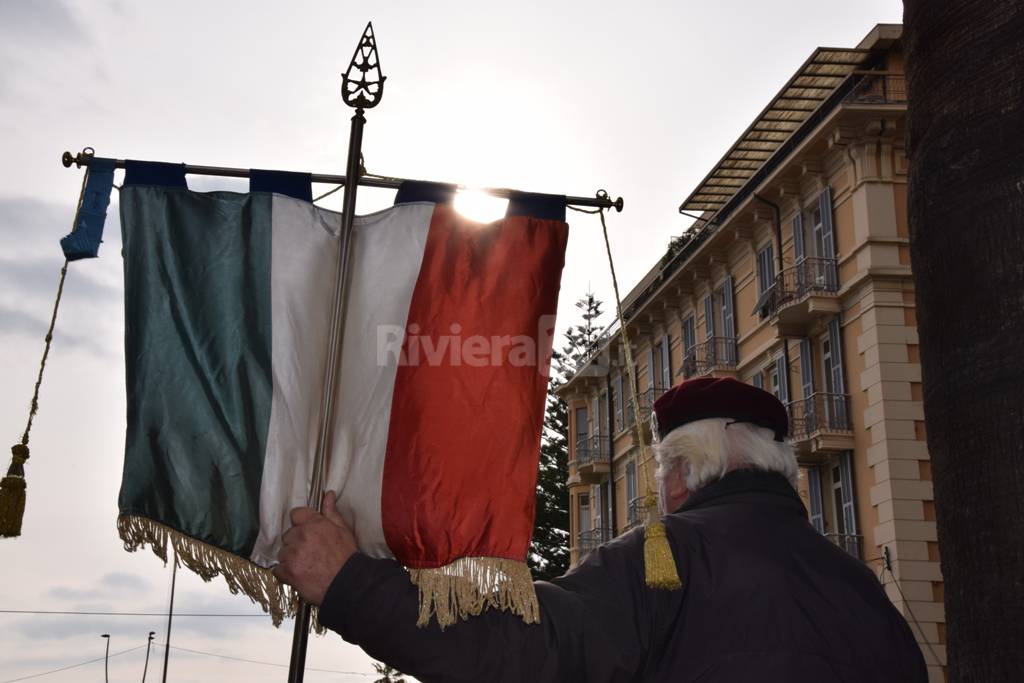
796 278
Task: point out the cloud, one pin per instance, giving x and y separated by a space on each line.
49 20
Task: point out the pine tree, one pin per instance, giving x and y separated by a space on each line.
388 674
549 549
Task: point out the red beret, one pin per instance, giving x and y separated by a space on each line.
707 397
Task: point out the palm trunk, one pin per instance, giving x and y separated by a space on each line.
965 70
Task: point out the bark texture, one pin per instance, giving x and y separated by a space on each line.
965 71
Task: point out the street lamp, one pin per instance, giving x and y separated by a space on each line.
106 658
146 666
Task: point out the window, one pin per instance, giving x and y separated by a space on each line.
582 427
631 491
817 231
826 362
837 500
584 512
816 511
765 269
758 379
689 334
599 503
773 380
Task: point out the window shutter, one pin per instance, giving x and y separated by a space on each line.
651 371
630 481
709 317
595 421
827 235
759 380
780 367
666 362
619 424
806 368
846 489
817 514
798 237
836 344
598 508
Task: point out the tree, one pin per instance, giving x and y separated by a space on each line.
549 547
965 70
388 674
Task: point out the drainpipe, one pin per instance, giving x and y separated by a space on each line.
778 259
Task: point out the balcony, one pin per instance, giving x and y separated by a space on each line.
851 543
801 295
634 513
592 459
820 424
879 88
591 539
716 356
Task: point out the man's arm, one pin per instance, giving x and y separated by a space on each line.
595 621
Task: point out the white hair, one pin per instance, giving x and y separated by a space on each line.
711 448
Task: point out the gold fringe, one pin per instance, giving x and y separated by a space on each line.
241 575
470 585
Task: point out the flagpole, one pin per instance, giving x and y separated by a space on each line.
361 88
82 159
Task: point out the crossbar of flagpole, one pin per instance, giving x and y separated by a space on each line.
79 160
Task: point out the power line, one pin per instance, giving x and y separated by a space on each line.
254 661
124 614
74 666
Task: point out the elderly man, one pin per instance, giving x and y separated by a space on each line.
764 596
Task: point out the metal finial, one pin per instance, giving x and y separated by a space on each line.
362 85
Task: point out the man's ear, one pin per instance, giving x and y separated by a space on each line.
675 484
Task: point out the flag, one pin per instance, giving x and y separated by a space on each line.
442 381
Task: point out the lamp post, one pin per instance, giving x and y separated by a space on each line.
145 666
106 658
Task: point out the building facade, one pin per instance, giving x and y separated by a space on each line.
795 278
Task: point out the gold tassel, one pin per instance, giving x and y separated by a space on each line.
470 585
660 569
12 493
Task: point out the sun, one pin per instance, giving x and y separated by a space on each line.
480 206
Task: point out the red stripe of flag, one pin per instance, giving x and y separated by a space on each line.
463 445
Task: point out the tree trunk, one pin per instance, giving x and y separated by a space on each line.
965 71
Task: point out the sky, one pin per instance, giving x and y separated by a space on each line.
638 98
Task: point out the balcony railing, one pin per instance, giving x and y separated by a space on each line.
881 88
589 540
592 450
851 543
810 276
646 400
714 354
820 412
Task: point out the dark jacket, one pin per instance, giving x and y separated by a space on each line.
765 598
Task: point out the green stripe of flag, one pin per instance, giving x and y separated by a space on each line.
198 360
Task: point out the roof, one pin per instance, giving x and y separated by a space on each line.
812 84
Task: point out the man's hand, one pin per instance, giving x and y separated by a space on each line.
314 550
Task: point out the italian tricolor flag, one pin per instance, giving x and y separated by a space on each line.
439 412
